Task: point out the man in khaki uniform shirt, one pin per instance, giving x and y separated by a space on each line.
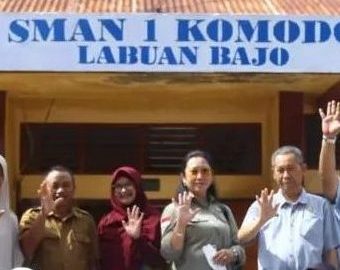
57 235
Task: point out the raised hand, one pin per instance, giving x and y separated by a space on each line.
267 209
184 211
331 120
134 223
46 200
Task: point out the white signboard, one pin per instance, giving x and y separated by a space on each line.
149 42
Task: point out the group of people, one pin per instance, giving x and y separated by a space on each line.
295 230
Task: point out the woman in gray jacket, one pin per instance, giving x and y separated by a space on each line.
198 232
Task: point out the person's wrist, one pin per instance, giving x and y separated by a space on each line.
181 224
135 236
44 212
262 220
179 234
179 230
329 139
236 257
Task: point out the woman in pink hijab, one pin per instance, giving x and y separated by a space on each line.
129 235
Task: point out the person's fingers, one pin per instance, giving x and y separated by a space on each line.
333 107
329 106
189 198
124 223
185 197
262 192
42 191
258 199
47 204
128 211
271 196
261 196
133 211
264 195
218 257
337 110
191 195
322 114
141 217
180 202
43 184
221 257
137 212
173 200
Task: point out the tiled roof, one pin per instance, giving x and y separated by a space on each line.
290 7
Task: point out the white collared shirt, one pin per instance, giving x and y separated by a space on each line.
298 236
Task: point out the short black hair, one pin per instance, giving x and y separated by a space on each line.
61 168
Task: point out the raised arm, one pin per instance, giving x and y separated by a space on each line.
173 233
32 224
185 214
327 162
257 215
145 244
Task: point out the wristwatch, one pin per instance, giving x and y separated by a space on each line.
328 140
236 256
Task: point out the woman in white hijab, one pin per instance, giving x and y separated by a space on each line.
10 254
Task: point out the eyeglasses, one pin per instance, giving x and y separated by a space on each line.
205 171
119 187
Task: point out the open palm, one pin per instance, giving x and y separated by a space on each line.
265 201
134 223
46 200
184 210
331 120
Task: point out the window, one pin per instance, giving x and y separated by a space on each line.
154 149
313 137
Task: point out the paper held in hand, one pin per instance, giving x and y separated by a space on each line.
209 251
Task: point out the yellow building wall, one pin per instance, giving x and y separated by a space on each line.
176 106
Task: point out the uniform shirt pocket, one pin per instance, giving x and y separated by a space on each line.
312 229
82 238
51 234
77 241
